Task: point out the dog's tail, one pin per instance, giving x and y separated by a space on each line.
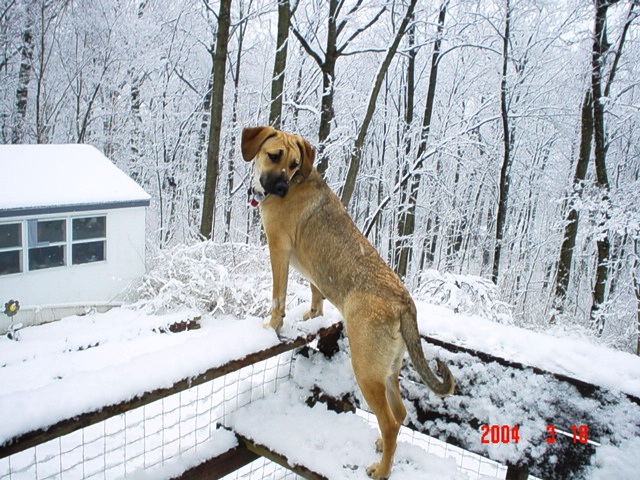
411 336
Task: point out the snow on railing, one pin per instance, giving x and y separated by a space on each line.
502 409
166 430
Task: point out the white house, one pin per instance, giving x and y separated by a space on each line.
72 231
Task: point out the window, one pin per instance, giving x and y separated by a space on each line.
50 243
10 248
89 239
47 242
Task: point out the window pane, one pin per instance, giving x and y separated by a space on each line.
91 227
10 262
51 231
10 235
88 252
46 257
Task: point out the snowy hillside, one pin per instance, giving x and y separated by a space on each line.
78 364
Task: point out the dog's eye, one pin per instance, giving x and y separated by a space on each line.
275 157
293 165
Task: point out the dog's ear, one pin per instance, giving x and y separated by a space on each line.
308 156
252 140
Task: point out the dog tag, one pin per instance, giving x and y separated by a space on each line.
256 198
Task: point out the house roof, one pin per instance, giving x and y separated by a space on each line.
37 179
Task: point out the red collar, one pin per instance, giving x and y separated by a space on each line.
255 198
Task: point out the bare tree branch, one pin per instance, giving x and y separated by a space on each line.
210 9
6 10
354 165
631 16
353 10
312 53
360 30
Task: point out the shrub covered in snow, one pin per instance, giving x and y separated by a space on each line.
209 277
464 294
236 279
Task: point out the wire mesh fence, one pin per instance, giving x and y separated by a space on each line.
475 466
263 469
167 437
158 437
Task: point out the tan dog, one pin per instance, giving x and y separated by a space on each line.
307 226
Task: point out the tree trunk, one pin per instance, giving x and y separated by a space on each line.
571 226
406 222
215 125
600 47
636 284
327 113
503 189
41 129
280 63
24 75
328 67
401 248
197 195
354 165
636 287
234 120
631 16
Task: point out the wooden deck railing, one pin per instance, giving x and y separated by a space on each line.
569 458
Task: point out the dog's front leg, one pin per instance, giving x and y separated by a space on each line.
280 275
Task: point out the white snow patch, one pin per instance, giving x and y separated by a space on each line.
331 444
80 364
616 461
221 441
577 358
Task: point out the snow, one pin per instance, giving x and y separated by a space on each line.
614 370
222 441
617 461
36 176
69 362
331 444
82 363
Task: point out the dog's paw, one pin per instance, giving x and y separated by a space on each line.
375 471
276 322
312 313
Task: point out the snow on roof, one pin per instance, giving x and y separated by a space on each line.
54 178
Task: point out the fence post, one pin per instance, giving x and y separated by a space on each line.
328 344
516 473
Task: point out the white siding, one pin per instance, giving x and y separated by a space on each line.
49 293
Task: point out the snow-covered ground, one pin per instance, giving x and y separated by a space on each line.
82 363
78 364
338 446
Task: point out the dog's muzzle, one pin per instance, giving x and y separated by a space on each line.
275 184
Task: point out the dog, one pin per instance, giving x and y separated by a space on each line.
307 226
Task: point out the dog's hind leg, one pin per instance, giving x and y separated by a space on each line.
393 391
316 304
374 393
374 348
394 397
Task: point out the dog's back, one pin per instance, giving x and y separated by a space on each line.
335 255
331 234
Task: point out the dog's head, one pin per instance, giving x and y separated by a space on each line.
277 158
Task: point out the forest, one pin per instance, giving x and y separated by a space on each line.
489 138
